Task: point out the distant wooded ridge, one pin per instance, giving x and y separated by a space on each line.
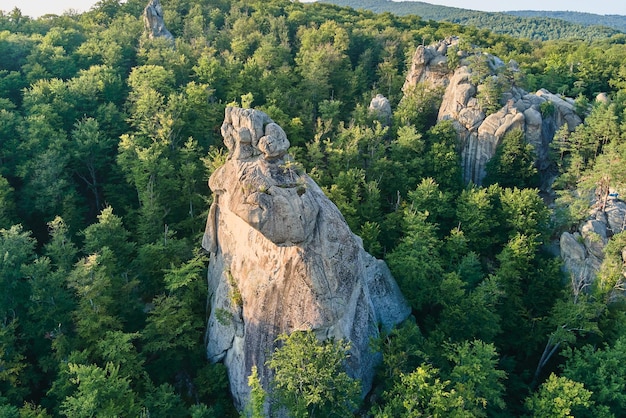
538 25
588 19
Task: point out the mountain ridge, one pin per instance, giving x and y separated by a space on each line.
583 18
508 23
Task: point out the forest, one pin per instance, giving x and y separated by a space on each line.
540 25
589 19
107 139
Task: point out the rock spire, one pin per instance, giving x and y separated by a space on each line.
283 259
153 21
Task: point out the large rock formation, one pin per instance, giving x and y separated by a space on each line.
153 21
283 259
480 134
583 250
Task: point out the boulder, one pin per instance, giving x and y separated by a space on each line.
381 109
430 64
603 98
616 215
283 259
457 96
594 235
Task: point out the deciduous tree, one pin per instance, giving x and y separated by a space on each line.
310 379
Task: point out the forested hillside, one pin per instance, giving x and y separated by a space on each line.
533 25
612 21
107 139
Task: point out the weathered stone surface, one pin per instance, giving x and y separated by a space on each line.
153 21
594 234
479 135
564 109
602 98
616 215
458 98
283 259
430 64
572 248
381 109
583 252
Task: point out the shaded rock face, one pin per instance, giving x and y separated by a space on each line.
583 250
153 21
479 134
283 259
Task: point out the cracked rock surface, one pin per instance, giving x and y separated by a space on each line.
283 259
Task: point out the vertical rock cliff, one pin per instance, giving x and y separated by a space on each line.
283 259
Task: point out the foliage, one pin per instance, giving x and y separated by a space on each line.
513 164
475 377
309 376
107 139
101 392
468 384
523 24
601 373
257 396
418 107
423 393
557 397
615 21
416 262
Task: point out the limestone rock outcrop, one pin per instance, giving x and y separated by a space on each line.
480 134
283 259
153 21
381 109
582 251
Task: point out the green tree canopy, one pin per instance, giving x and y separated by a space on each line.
309 377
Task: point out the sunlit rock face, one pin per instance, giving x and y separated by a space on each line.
283 259
153 21
480 134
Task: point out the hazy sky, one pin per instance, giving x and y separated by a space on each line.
36 8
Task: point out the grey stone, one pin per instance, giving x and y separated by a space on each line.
583 252
153 21
594 234
283 259
478 135
616 215
574 257
381 109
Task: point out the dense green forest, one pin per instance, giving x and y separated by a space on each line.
531 25
589 19
107 139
